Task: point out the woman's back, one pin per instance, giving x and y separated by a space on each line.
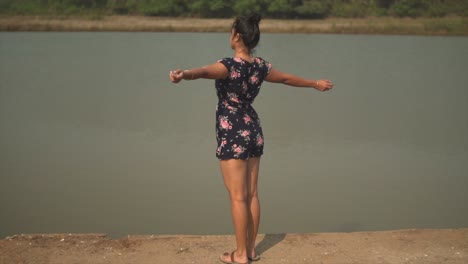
242 85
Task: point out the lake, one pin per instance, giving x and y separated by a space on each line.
95 138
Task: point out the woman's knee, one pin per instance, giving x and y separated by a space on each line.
238 196
252 194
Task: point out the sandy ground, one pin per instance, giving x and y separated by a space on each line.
385 25
415 246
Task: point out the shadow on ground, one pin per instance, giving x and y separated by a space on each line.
269 241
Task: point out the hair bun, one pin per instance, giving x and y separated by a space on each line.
255 18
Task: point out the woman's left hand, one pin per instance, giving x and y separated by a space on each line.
176 76
324 85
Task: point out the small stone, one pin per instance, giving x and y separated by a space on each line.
63 239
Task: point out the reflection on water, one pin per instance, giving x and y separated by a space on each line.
94 138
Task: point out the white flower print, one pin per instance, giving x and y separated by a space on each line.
244 86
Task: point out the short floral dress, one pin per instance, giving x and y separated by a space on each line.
238 131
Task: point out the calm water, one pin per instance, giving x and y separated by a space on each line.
94 138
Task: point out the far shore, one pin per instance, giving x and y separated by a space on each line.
448 26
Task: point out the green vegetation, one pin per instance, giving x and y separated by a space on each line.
228 8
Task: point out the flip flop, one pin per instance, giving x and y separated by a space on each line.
256 258
232 258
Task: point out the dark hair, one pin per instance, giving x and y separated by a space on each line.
247 27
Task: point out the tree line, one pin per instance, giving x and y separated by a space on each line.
229 8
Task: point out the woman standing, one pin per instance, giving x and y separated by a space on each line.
238 131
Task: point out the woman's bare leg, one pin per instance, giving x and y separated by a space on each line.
253 165
235 178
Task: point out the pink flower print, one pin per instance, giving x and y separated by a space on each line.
224 123
239 60
223 143
247 119
259 140
238 150
254 79
234 74
257 60
233 97
245 134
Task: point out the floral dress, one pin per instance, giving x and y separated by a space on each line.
238 131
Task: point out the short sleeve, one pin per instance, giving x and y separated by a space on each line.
227 62
266 67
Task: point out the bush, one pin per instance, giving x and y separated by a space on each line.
409 8
229 8
437 9
351 9
122 6
248 7
282 8
162 7
211 8
314 9
459 7
25 7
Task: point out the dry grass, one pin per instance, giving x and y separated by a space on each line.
420 26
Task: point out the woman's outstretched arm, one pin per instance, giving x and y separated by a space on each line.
212 71
276 76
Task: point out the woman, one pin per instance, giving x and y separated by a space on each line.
238 131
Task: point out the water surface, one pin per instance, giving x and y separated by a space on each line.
94 138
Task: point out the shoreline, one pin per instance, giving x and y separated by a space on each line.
415 246
447 26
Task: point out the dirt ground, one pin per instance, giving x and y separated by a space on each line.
415 246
